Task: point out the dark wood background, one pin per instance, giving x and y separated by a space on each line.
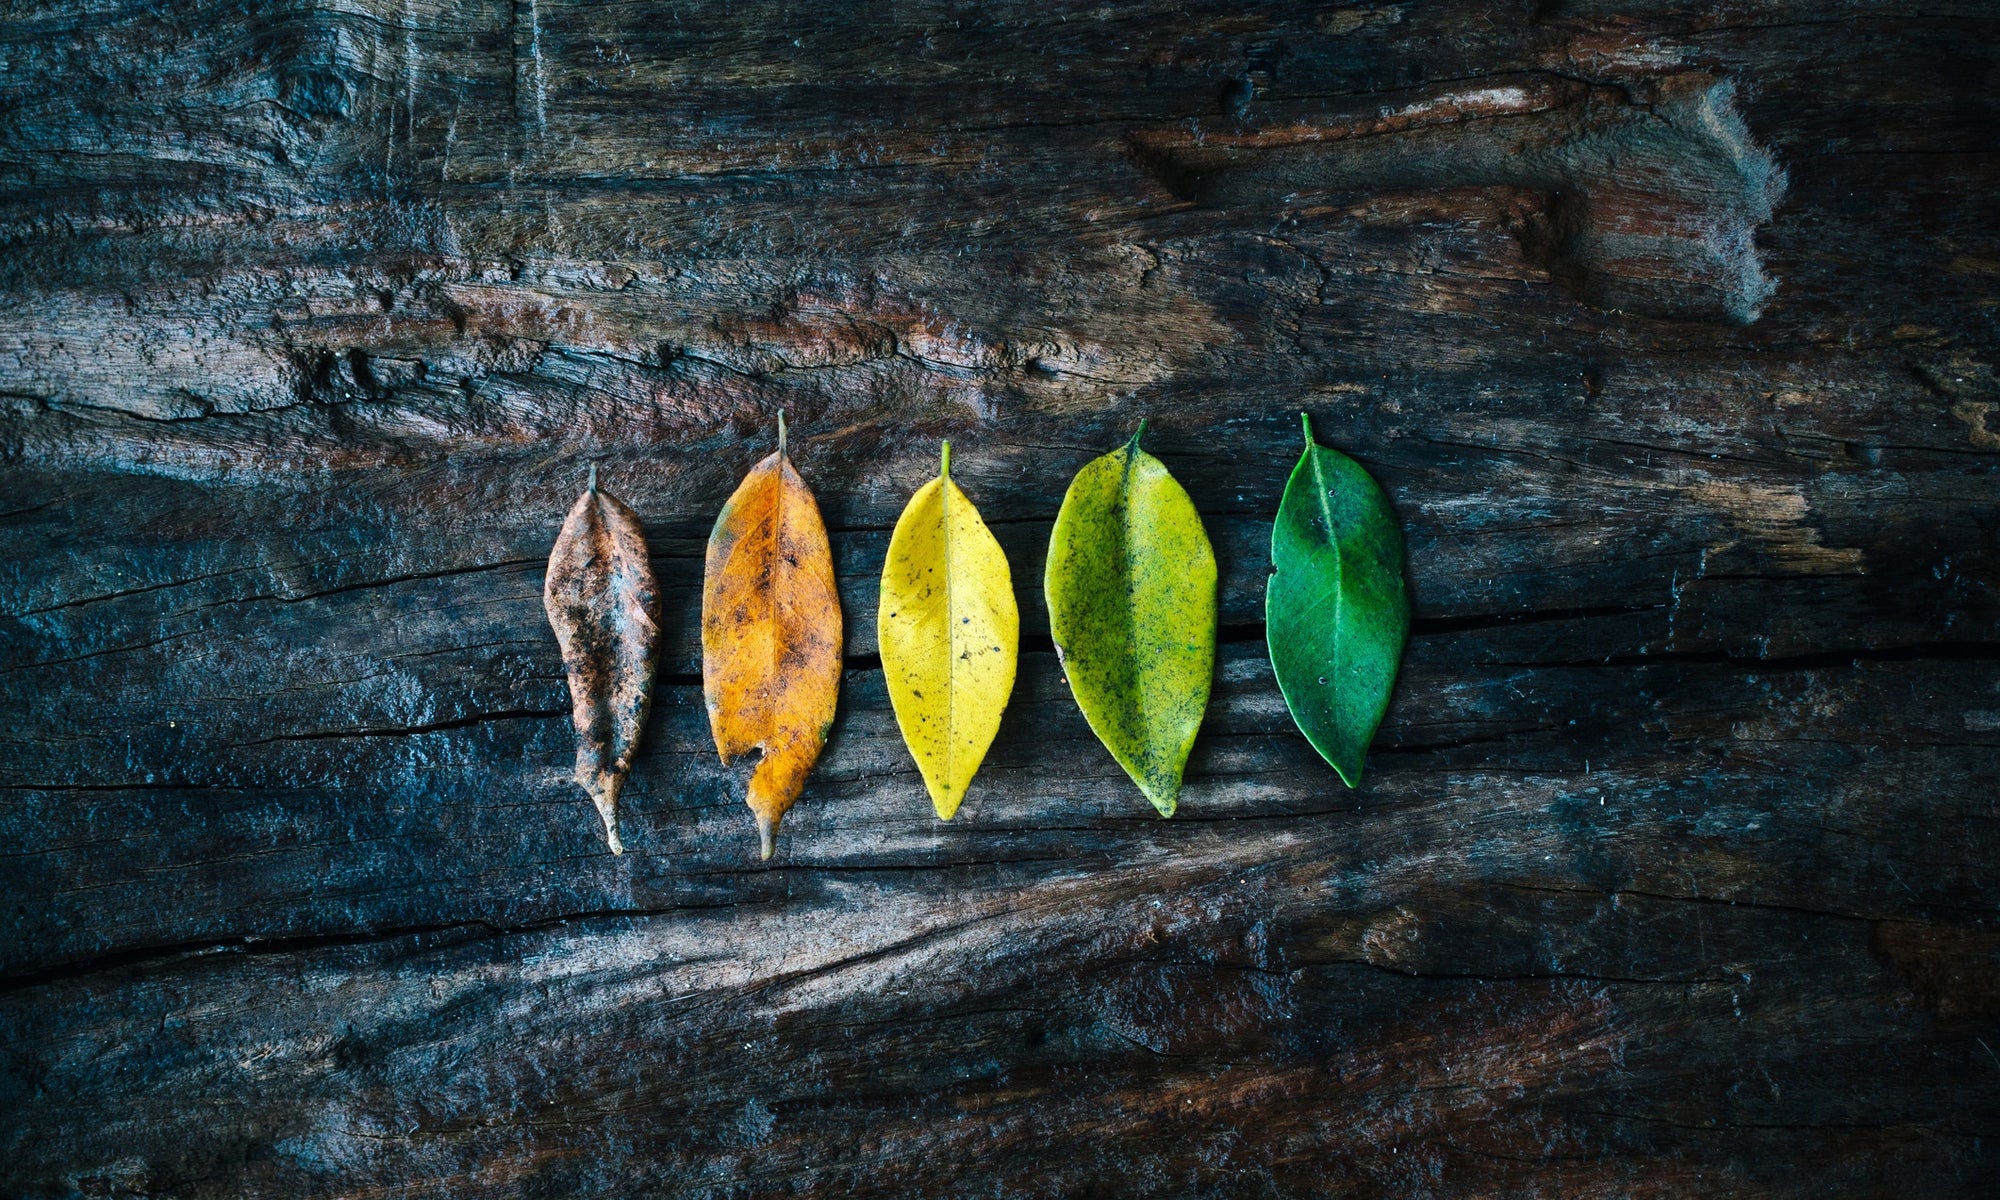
1670 329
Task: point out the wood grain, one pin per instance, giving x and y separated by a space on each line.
1668 329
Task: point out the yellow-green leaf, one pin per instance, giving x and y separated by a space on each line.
950 633
1131 591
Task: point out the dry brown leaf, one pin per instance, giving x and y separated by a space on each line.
770 634
605 608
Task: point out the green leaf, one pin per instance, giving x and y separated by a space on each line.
1131 591
1335 612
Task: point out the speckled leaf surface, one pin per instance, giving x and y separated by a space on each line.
770 635
950 632
604 606
1336 613
1131 593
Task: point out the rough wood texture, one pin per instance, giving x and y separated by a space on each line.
1673 873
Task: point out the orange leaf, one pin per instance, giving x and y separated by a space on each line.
770 634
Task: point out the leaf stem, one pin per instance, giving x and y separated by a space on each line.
1136 435
944 460
781 431
1307 421
593 479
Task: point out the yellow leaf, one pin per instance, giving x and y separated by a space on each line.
770 634
950 633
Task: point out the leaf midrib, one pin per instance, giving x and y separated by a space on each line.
950 631
1339 560
1129 613
777 599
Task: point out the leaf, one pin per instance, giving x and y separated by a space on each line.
770 634
604 605
1131 591
949 632
1335 612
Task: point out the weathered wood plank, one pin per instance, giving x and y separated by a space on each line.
1671 873
1114 1054
481 822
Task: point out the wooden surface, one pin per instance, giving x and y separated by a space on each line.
1669 328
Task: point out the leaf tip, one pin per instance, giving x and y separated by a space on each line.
604 787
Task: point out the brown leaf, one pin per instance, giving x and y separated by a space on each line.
605 608
770 634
